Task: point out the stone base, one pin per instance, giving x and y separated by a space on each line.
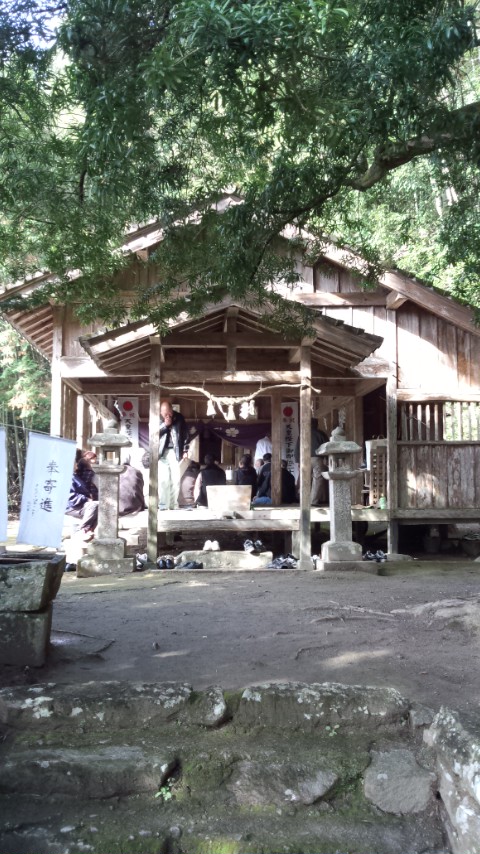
30 585
341 551
25 637
107 548
226 559
89 566
370 566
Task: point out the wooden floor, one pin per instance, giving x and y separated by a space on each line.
261 519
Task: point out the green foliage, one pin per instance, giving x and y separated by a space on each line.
24 380
24 402
344 118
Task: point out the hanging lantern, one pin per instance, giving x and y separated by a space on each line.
230 413
244 410
210 407
252 409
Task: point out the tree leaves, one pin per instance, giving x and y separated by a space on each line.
153 108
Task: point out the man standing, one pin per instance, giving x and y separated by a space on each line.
173 448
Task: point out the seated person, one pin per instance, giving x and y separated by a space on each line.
130 491
264 482
264 488
246 475
83 498
187 484
211 475
289 487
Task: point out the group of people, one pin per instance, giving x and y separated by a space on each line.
83 497
190 489
195 480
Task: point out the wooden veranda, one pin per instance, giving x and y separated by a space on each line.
230 354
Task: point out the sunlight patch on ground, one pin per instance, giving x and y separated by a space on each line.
349 658
175 653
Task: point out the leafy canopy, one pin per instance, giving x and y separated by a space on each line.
353 119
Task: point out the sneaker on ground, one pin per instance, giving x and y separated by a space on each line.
208 546
259 547
248 546
169 563
368 556
380 556
215 546
161 563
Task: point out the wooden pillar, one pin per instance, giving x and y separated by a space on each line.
305 561
392 451
84 430
56 404
154 427
276 410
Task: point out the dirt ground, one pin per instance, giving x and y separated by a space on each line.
416 629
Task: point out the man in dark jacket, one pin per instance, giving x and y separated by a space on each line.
211 475
173 448
264 489
319 485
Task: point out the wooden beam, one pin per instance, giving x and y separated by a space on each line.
305 460
199 377
78 366
154 442
276 410
429 299
395 300
56 404
222 340
355 299
420 395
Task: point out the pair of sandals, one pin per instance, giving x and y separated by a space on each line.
165 563
284 562
192 564
379 556
251 547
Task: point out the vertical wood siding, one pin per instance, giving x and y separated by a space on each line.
443 475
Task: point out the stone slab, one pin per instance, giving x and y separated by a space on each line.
226 559
30 585
110 706
314 706
370 566
25 637
91 566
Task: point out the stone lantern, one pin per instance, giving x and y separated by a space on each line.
340 548
106 553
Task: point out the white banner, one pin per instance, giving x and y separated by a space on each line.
3 486
128 406
290 432
48 477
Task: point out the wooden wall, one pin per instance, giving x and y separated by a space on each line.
439 475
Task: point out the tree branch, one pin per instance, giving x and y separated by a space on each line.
388 159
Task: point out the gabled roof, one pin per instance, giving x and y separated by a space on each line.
335 345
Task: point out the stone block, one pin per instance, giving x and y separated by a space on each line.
456 741
25 637
30 585
312 706
397 784
94 705
226 559
96 772
91 566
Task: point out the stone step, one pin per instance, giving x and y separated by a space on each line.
120 767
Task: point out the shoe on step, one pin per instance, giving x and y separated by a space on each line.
215 546
208 546
248 546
